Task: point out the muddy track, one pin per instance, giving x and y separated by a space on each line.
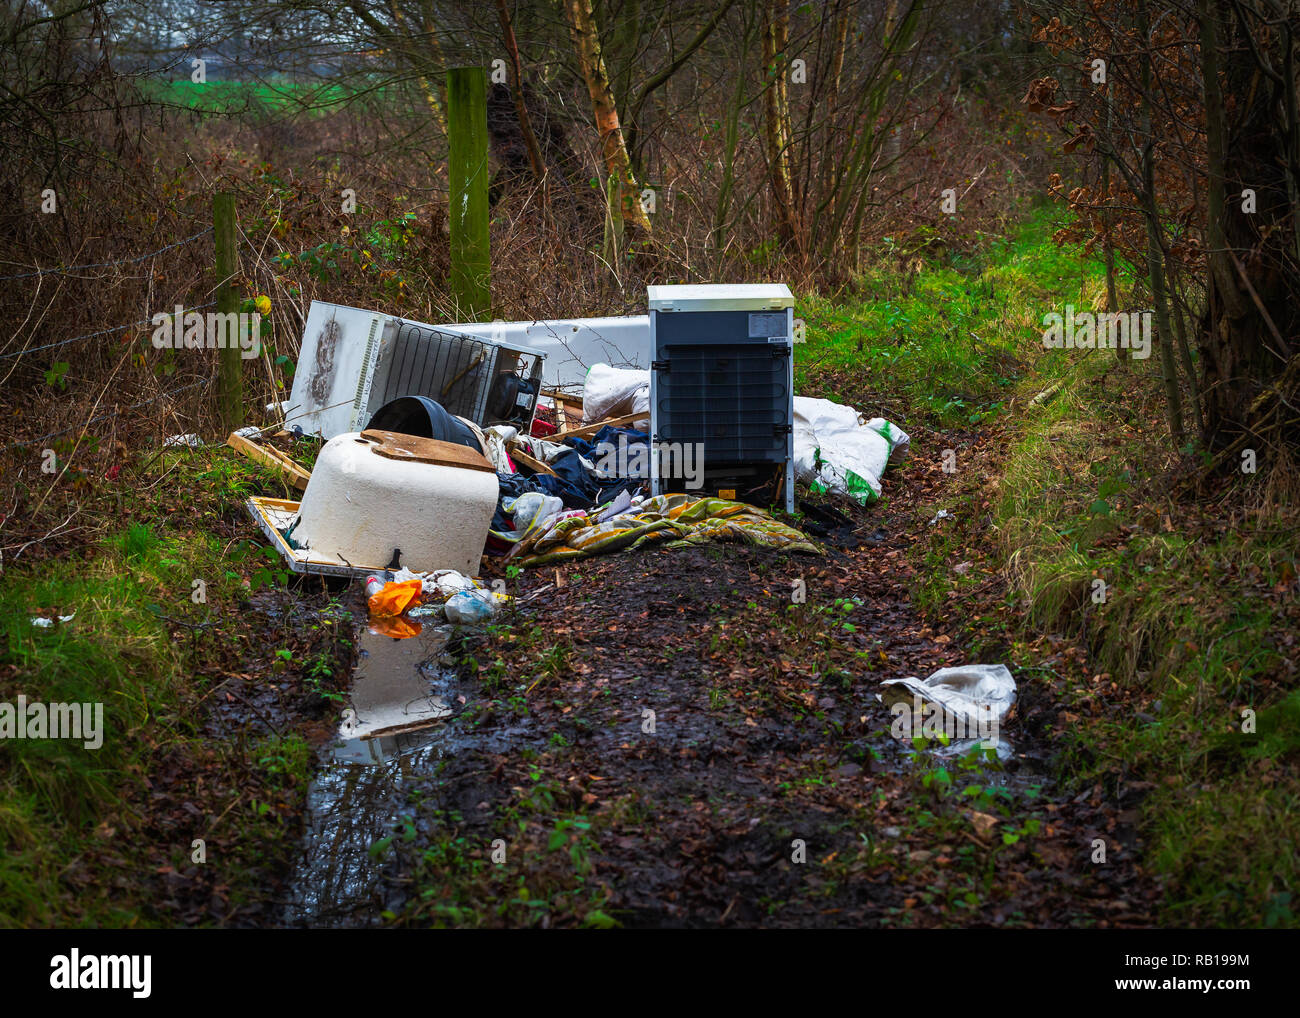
670 738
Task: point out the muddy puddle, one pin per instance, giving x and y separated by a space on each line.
399 721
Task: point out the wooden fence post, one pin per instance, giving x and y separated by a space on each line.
230 371
467 138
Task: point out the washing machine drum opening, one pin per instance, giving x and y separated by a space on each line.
423 418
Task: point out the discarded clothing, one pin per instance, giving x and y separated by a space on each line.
569 468
574 483
609 437
495 441
621 461
677 519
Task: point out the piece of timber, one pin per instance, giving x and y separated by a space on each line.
587 430
296 475
521 455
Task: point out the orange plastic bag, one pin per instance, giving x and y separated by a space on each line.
395 598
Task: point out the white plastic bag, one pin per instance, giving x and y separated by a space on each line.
836 450
439 583
973 703
472 607
615 392
532 509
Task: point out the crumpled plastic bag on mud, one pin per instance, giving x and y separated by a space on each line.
973 704
471 607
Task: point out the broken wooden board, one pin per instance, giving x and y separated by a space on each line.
270 456
520 455
567 398
587 430
414 449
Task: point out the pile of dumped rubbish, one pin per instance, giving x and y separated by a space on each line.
449 444
557 494
445 444
400 606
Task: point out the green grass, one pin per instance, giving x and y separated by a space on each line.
1184 612
1193 627
113 652
231 97
951 341
65 808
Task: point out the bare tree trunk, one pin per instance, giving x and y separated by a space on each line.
1216 151
1237 359
659 78
586 44
731 142
1107 241
1185 352
1155 250
832 143
776 38
521 108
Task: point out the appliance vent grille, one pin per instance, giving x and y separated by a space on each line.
478 379
451 369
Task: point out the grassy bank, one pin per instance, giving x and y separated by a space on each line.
1188 610
162 588
945 339
1164 619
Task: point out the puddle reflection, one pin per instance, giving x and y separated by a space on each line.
393 728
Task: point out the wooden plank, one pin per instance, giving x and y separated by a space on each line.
568 398
283 505
566 416
520 455
587 430
414 449
297 476
565 407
